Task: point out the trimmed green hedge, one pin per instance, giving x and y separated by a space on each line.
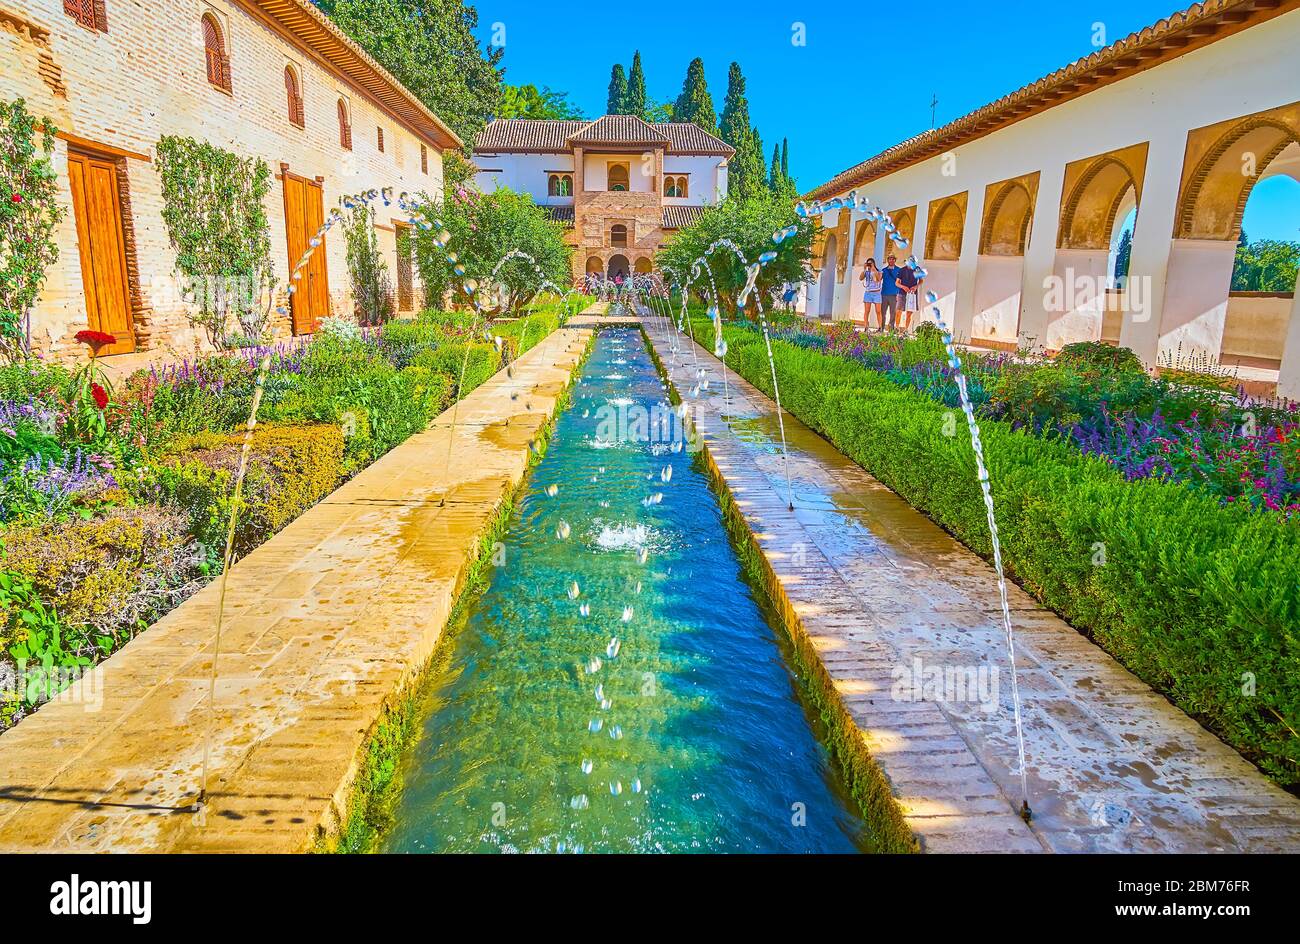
1200 601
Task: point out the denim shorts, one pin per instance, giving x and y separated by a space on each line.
871 298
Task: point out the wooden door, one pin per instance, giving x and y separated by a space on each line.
405 280
96 204
304 212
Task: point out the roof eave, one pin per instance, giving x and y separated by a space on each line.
1191 29
334 49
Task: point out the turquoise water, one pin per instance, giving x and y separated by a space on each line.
653 711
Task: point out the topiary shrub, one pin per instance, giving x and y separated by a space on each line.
290 468
1098 355
109 575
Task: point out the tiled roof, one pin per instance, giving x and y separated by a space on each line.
619 129
527 134
1198 25
689 138
556 136
676 216
561 214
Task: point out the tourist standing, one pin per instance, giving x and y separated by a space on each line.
889 293
911 289
872 283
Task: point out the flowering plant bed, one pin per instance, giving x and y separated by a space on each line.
1195 594
114 501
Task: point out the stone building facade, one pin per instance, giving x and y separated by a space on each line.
272 79
621 184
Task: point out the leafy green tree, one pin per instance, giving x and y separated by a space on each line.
750 224
616 101
29 213
429 46
1265 265
635 103
695 104
660 112
484 229
527 101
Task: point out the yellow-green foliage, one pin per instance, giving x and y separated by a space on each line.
290 468
106 573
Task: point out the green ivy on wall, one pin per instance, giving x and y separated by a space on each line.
29 212
214 208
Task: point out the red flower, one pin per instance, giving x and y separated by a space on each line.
100 395
95 339
17 198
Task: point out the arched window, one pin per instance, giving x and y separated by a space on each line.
670 187
293 92
618 177
345 127
214 48
681 187
559 185
618 235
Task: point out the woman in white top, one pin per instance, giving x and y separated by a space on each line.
872 283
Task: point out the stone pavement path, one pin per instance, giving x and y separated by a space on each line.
886 595
326 623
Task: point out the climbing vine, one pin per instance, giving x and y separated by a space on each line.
214 208
372 289
29 212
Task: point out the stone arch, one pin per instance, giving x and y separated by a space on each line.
864 242
944 231
594 265
618 236
618 266
1007 217
905 226
1095 189
643 265
1215 188
826 281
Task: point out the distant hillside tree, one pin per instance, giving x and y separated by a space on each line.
527 101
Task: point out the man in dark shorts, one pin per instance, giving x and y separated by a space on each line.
909 288
890 299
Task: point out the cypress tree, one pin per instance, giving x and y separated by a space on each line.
745 178
785 158
635 102
774 178
617 100
695 104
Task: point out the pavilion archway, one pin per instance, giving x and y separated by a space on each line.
619 268
826 281
945 224
644 266
1222 164
1100 193
999 274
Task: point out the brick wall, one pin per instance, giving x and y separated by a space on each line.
146 77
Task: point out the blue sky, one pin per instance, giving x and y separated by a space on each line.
851 74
